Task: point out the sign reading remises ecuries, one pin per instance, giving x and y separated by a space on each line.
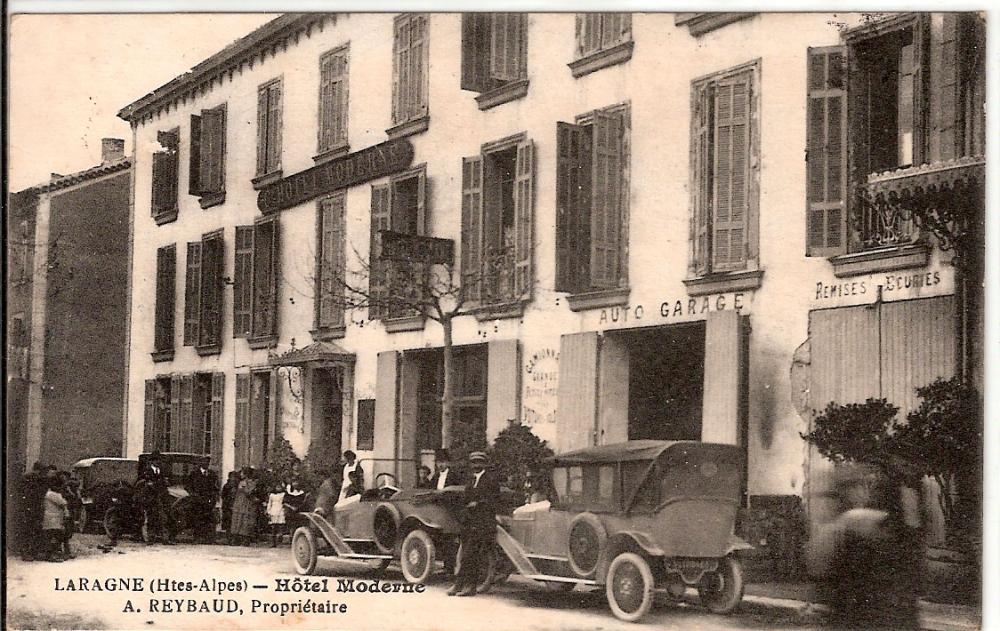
411 247
354 168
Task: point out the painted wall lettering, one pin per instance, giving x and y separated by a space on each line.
541 387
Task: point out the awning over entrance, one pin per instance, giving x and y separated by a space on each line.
315 353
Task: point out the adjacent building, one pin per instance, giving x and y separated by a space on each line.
67 308
658 219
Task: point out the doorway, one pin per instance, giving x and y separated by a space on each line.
327 413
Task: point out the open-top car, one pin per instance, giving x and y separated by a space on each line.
636 518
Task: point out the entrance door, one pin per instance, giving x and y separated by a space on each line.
327 414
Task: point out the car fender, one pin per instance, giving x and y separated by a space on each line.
736 544
416 521
624 540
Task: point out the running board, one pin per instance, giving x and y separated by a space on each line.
330 534
560 579
354 555
515 553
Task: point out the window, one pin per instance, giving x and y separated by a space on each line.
602 40
409 70
333 100
203 293
269 128
575 491
494 54
559 481
497 222
592 202
723 171
166 271
157 425
207 171
470 373
165 174
255 417
330 263
366 424
398 205
255 282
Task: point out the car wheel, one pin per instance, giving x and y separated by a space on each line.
385 523
721 591
304 553
629 587
417 556
586 540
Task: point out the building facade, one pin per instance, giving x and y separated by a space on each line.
67 302
656 220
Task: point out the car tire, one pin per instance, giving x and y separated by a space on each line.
629 587
417 556
587 537
385 523
721 591
304 551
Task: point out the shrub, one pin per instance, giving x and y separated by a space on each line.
516 455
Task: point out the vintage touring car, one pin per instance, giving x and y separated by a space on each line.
635 518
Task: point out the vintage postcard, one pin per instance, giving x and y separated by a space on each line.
403 320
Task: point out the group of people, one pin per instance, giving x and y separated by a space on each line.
49 507
256 502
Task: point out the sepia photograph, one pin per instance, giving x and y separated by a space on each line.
440 320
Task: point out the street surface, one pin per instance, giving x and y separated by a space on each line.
33 600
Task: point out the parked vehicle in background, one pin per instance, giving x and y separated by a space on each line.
98 479
635 518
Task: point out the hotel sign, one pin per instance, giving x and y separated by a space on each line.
410 247
368 164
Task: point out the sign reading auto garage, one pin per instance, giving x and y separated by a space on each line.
354 168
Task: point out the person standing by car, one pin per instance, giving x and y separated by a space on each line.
70 490
244 523
154 497
445 474
54 516
351 466
478 527
203 485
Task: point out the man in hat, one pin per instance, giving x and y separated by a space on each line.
479 527
155 499
444 473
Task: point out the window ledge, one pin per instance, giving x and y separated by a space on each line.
881 260
264 341
598 299
723 283
408 128
167 215
208 349
163 356
404 323
331 153
212 199
499 311
701 23
602 59
261 181
326 333
504 94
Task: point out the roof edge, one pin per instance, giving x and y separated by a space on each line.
72 179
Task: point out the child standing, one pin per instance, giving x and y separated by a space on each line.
56 512
276 512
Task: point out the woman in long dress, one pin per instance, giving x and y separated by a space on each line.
245 508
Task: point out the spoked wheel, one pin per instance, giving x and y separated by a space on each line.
417 556
630 587
304 551
721 591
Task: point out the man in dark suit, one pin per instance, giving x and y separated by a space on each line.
154 495
203 485
444 473
479 526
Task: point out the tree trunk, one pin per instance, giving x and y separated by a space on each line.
448 395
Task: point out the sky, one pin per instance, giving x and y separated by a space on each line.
70 74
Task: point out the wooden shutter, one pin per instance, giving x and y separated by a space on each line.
524 203
472 214
243 282
588 33
185 423
507 46
418 66
273 413
605 218
274 127
149 431
476 32
166 272
192 294
330 309
503 385
333 100
724 383
262 136
161 182
576 401
826 152
381 220
194 159
573 175
731 172
702 105
945 63
366 424
212 269
241 440
265 278
386 404
213 150
615 29
172 438
218 397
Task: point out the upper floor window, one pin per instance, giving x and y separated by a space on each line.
602 40
592 201
203 293
165 175
724 166
494 55
333 67
330 261
166 284
207 172
269 128
255 282
398 205
409 73
497 222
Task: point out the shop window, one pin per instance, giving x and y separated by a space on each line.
165 176
366 424
207 170
724 166
398 205
330 263
255 283
166 278
203 294
494 56
497 222
602 40
333 76
592 201
269 128
409 74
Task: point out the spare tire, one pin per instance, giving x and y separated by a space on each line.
385 526
587 537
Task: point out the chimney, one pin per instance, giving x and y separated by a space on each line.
112 149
